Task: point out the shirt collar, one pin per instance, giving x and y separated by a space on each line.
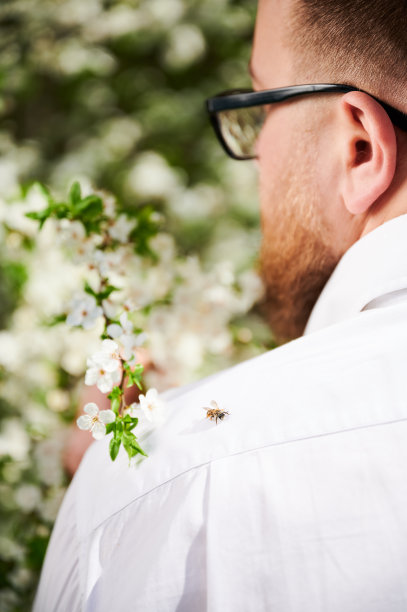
372 271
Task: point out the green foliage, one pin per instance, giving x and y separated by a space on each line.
122 432
114 92
134 375
91 92
122 426
115 397
100 295
131 445
114 447
146 228
88 210
13 276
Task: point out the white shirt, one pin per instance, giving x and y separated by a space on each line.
295 502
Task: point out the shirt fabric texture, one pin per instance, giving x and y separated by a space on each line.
295 502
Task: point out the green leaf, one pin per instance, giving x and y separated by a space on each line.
115 405
103 295
129 422
89 208
110 427
131 445
61 210
145 229
132 424
75 193
115 392
119 429
55 320
134 375
89 290
114 448
40 216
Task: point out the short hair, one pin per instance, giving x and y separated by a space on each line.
357 42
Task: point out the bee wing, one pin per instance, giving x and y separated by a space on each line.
214 404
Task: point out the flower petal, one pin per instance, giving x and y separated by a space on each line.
91 409
99 430
125 323
114 330
141 338
106 382
84 422
73 319
117 376
152 395
108 346
111 365
134 410
91 376
147 413
107 416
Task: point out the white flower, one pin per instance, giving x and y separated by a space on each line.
104 367
152 176
28 497
126 327
73 231
149 411
152 406
109 348
14 440
73 236
84 311
95 420
109 203
130 305
110 308
108 262
121 227
124 334
186 45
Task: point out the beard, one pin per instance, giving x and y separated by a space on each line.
296 257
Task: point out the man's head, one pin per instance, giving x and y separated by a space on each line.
332 167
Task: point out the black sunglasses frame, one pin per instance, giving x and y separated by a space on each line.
245 98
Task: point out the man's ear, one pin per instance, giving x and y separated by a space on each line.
368 151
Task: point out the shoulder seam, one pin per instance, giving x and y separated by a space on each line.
251 450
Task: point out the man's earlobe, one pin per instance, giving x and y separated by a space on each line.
369 151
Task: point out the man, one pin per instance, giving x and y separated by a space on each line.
296 500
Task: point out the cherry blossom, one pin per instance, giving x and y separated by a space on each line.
84 311
150 411
107 262
124 334
152 406
104 367
121 227
95 420
73 236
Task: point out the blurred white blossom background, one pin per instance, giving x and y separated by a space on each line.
111 93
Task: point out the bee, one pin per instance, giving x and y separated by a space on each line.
214 413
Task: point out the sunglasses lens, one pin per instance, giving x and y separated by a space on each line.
240 129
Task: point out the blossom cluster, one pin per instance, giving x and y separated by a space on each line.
105 241
190 321
111 94
114 248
